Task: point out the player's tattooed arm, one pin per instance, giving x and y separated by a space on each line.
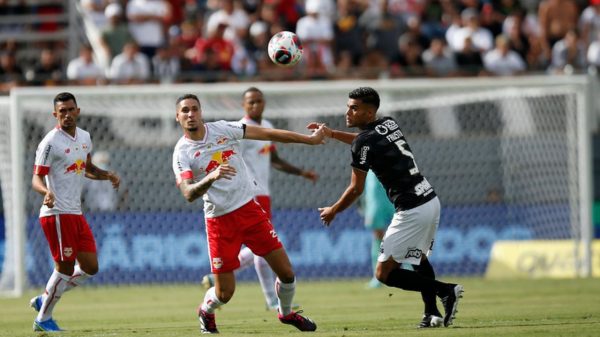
193 190
342 136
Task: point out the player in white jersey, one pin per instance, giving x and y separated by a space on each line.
62 161
259 156
207 163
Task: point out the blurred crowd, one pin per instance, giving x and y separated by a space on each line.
159 41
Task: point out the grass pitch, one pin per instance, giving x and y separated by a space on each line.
340 308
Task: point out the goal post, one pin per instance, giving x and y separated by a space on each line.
510 158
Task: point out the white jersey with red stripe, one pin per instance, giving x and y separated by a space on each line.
257 155
62 159
195 159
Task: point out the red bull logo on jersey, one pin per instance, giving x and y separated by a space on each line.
68 251
218 158
77 167
267 149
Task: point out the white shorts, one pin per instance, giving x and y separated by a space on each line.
411 233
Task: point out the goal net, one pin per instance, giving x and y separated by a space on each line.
509 158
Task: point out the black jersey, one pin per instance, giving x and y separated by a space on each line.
382 148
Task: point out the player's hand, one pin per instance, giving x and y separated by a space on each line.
224 171
318 136
327 215
49 199
310 175
316 125
115 180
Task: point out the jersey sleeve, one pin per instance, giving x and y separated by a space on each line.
181 166
361 154
44 156
235 130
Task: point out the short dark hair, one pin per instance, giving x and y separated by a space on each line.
367 95
252 89
187 96
64 97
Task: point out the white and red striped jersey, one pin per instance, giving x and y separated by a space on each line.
195 159
62 159
257 155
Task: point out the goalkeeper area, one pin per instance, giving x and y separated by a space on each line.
527 308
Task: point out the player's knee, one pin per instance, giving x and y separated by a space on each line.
224 295
91 270
287 277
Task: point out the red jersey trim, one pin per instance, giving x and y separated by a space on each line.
41 170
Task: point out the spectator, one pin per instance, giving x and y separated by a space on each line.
221 48
129 67
408 61
482 38
593 53
116 34
233 14
589 22
315 30
439 60
166 65
11 75
94 9
568 54
348 34
48 71
556 18
147 20
469 59
284 10
83 70
502 61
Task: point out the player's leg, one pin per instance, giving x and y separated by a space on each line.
285 286
87 259
266 279
431 315
375 248
214 298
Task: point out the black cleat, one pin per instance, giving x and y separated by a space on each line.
450 302
431 321
299 321
208 324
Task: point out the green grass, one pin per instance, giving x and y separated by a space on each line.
343 309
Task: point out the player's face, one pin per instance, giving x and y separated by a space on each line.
358 114
66 113
254 104
189 114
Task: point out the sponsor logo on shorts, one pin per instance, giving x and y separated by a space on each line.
68 251
413 252
217 262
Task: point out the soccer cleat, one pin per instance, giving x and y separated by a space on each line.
300 322
36 303
208 281
450 303
208 324
431 321
47 325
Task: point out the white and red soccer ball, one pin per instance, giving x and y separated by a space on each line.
285 49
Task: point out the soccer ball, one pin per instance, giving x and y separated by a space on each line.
285 49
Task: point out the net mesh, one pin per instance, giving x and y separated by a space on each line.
502 156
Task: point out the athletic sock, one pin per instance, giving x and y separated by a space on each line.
78 278
246 257
413 281
55 287
426 269
375 250
285 293
211 301
266 277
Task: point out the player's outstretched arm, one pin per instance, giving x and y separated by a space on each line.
352 192
284 136
342 136
193 190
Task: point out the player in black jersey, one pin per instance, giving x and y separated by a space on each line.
380 146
